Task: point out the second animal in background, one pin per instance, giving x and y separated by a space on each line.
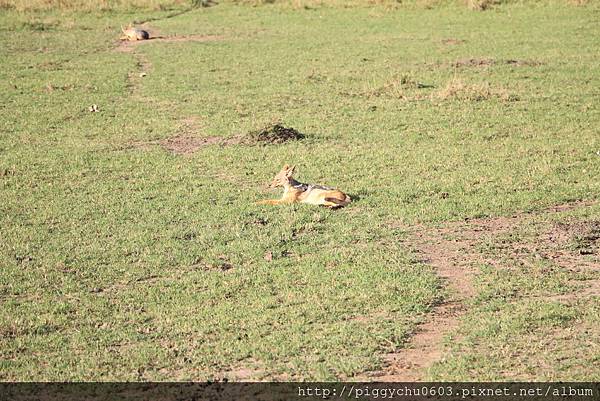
132 34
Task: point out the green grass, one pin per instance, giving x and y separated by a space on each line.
122 262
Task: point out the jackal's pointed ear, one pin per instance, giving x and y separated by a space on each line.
290 170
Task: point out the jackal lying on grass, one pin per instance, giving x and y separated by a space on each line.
131 34
294 191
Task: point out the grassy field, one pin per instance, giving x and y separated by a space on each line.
123 260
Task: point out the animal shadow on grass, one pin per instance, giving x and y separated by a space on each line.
355 196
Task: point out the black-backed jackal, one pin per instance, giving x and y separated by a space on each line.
131 34
294 191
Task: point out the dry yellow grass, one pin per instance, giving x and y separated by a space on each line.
318 3
101 5
93 5
90 5
480 5
579 2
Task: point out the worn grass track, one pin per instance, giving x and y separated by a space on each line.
568 250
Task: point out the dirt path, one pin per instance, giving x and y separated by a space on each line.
185 141
452 251
155 37
452 258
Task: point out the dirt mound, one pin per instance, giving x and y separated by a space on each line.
273 134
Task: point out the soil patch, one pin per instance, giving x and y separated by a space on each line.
249 371
486 62
452 41
474 62
423 348
523 63
185 144
126 46
582 237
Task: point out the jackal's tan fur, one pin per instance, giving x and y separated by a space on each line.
294 191
132 34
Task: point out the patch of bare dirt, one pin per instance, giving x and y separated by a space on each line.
453 250
156 36
187 141
452 41
523 63
580 236
247 372
487 62
474 62
423 348
126 46
181 144
185 145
